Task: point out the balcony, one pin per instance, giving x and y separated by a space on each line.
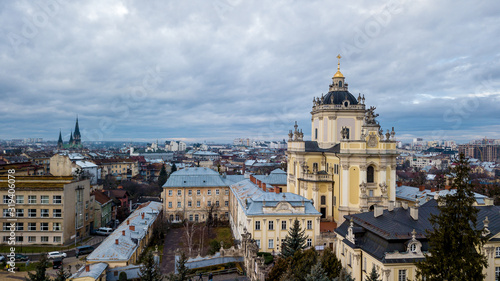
323 177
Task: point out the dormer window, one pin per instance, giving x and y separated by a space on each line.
413 248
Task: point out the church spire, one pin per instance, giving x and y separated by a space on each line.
338 73
76 134
60 141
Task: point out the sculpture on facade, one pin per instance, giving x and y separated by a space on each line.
370 116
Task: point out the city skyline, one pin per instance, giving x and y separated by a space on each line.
222 70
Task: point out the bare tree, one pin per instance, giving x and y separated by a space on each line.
189 231
212 215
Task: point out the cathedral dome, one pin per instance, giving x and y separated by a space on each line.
338 97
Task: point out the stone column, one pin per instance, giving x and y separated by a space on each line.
392 184
345 186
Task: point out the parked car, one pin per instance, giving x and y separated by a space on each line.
21 257
57 263
53 255
104 231
2 258
83 250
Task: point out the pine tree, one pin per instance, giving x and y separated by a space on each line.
454 240
182 270
173 169
150 270
162 178
330 263
41 268
317 274
294 241
62 274
344 276
374 276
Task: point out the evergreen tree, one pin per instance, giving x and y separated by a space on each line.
62 274
40 271
454 240
330 263
182 270
162 178
279 269
295 240
317 274
344 276
374 276
302 262
173 169
150 270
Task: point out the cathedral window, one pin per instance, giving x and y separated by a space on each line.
316 133
370 173
340 83
323 200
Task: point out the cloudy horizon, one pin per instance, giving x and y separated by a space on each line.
224 69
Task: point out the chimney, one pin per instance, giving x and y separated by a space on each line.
87 267
142 215
123 232
447 187
414 212
132 227
264 186
433 189
116 241
405 205
128 222
277 190
252 179
399 183
391 206
421 188
378 211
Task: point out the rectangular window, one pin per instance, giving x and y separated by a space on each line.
31 199
44 226
170 193
6 213
31 239
271 225
56 199
198 204
6 226
170 204
226 203
190 192
209 192
31 213
283 225
20 199
57 239
257 225
198 192
258 243
309 242
44 199
271 244
56 226
32 226
364 265
227 191
6 199
178 204
190 217
217 203
20 226
44 213
209 203
179 192
196 217
19 238
309 224
20 213
497 273
86 204
497 252
86 216
44 239
57 213
402 275
189 203
216 192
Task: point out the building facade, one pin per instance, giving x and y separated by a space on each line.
349 166
192 193
49 209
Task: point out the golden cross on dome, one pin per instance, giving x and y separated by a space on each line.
338 65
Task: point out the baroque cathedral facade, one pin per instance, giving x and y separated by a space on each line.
349 166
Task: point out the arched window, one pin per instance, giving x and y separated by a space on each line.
346 104
340 83
316 133
323 200
370 174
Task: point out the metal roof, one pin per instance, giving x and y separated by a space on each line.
95 270
195 177
414 194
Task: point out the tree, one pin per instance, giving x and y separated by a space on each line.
344 276
122 276
62 274
182 270
189 231
150 270
162 178
317 274
295 240
454 240
374 276
302 263
40 270
330 263
279 269
173 169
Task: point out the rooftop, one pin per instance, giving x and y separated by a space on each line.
195 177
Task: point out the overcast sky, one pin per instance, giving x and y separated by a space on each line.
222 69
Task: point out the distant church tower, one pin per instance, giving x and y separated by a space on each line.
349 165
60 143
77 139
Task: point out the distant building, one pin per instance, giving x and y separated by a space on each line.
485 152
175 146
63 165
103 209
75 140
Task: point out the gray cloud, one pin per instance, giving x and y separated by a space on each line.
222 69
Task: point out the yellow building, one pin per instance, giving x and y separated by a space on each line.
349 166
191 193
393 240
46 208
267 214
